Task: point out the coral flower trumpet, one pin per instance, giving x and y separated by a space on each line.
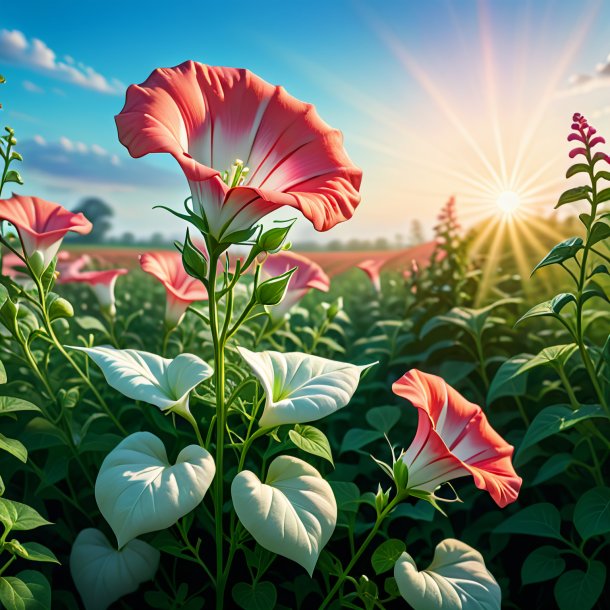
454 439
246 147
41 224
181 288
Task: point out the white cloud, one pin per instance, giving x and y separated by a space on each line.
32 87
583 82
82 167
35 54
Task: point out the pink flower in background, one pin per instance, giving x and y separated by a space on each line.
307 276
101 282
372 267
9 262
181 288
210 118
41 224
583 134
454 439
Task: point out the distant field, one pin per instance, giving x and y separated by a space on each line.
333 263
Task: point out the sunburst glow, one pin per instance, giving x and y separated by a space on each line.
508 202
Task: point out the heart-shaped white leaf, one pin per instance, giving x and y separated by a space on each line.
150 378
293 513
138 491
102 574
457 579
299 387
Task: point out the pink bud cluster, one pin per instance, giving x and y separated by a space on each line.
584 135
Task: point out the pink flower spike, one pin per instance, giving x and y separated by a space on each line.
308 276
597 140
41 224
102 282
210 118
576 136
454 439
372 267
181 288
577 151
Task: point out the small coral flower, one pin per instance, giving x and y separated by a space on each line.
211 118
41 224
102 282
454 439
307 276
372 267
181 288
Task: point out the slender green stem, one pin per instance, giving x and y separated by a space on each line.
568 387
363 547
219 379
7 564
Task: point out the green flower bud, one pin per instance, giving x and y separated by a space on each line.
271 292
36 261
61 308
401 474
193 260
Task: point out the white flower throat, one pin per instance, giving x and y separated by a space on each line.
236 174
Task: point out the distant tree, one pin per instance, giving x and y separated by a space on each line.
128 238
157 239
99 213
417 233
381 243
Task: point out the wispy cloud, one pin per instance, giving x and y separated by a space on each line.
78 166
28 85
582 82
16 49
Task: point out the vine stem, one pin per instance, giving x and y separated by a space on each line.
218 340
49 328
397 499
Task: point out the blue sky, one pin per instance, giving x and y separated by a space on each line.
426 111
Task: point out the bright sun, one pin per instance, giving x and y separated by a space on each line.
508 202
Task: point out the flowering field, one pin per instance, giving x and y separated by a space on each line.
233 424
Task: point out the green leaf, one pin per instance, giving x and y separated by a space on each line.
508 380
259 596
603 195
549 308
592 513
29 590
599 231
9 404
3 377
554 355
90 323
18 516
383 419
386 555
576 169
555 465
13 176
347 496
552 420
542 564
536 520
561 252
574 194
356 438
311 440
578 590
37 552
14 447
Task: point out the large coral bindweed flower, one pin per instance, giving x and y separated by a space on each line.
41 224
101 282
308 276
454 439
246 147
181 288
